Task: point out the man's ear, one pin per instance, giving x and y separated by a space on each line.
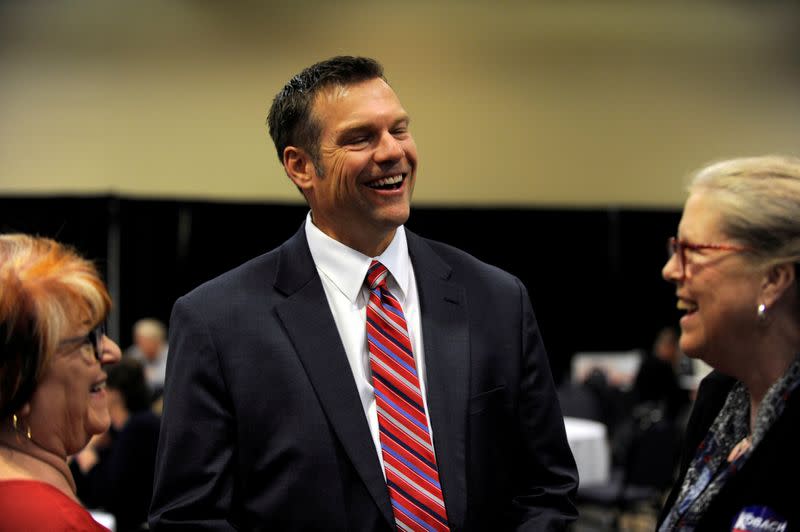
299 167
777 280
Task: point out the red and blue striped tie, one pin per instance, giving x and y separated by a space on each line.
408 456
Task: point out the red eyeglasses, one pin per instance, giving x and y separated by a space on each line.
679 247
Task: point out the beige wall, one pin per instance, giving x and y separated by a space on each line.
513 103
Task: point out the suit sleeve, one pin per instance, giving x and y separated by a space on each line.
193 482
547 477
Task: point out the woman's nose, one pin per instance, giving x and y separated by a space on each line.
111 353
671 270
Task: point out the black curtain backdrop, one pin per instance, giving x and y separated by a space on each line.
594 275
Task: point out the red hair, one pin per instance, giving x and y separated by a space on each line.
46 290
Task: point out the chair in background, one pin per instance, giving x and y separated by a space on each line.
581 401
595 399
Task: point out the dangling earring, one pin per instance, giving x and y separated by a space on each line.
15 421
761 312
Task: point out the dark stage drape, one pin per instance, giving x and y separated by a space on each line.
594 275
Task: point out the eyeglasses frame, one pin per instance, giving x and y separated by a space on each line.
94 337
676 246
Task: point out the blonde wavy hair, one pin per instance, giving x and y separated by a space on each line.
46 290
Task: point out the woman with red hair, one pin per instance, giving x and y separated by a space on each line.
52 383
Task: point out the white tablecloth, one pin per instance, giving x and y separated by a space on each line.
105 519
589 445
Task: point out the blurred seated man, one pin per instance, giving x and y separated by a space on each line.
656 397
657 381
150 348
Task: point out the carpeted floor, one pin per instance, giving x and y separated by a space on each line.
596 519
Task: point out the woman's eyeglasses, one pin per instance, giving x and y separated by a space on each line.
678 248
92 342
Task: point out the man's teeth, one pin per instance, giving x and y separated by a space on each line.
99 386
684 305
387 181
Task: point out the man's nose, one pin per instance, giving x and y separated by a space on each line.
389 149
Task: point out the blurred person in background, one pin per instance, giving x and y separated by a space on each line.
656 397
115 471
53 350
735 267
150 348
657 381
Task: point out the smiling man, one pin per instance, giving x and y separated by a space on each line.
358 377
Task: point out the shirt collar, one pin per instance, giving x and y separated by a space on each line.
346 268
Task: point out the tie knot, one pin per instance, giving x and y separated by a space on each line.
376 275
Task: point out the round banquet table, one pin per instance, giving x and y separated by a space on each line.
589 444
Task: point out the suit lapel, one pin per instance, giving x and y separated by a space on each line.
445 335
309 323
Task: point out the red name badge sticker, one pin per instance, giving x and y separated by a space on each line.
759 519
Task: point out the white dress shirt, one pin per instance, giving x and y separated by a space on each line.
343 270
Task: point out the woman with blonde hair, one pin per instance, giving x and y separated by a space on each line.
734 263
52 384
